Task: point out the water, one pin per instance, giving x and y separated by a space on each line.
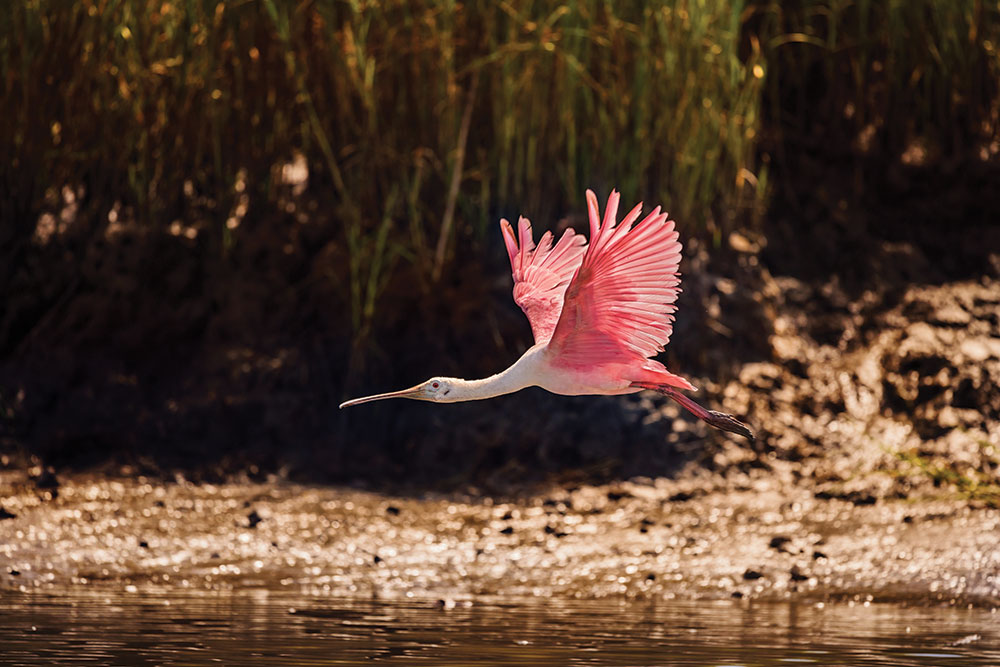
258 628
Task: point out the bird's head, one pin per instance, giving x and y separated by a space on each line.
437 390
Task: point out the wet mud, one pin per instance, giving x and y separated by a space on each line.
644 539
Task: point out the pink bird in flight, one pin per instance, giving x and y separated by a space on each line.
598 313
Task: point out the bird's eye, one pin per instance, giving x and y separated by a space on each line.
435 385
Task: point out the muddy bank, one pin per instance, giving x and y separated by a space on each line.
857 332
862 401
874 478
866 395
643 539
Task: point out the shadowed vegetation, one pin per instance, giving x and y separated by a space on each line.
916 80
186 113
214 184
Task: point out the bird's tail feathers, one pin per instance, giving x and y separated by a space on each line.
657 374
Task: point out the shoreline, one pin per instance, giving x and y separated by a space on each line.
622 540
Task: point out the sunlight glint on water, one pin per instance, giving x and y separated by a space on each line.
257 628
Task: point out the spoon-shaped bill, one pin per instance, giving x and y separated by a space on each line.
412 392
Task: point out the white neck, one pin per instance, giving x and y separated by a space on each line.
520 375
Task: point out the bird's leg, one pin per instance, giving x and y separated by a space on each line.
719 420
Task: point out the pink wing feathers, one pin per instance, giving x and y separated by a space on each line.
542 274
620 305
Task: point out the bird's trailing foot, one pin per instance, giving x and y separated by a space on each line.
719 420
722 421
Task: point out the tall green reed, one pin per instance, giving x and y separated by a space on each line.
177 109
879 76
166 103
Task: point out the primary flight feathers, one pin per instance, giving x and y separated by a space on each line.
542 274
611 298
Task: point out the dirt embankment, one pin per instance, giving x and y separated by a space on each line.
900 403
856 330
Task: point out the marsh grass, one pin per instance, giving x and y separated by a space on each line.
979 483
882 77
150 106
179 110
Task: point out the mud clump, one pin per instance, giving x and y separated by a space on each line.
901 398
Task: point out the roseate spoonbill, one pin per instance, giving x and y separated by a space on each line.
598 313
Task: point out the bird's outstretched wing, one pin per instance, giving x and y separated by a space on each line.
619 306
541 274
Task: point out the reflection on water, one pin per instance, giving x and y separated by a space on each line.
257 628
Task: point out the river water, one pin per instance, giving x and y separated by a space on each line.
261 628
